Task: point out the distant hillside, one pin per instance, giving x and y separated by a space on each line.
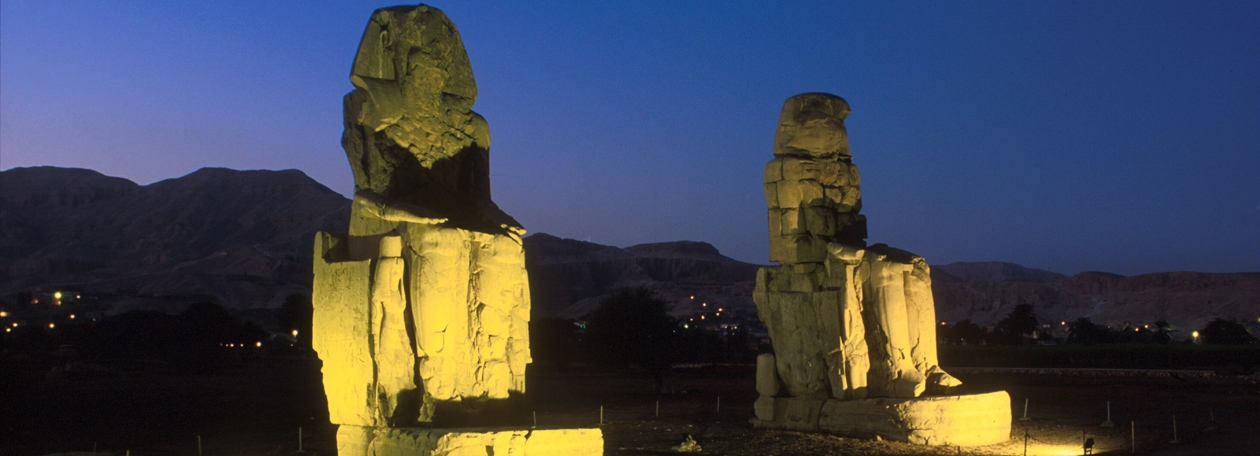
994 271
240 237
987 292
568 277
244 239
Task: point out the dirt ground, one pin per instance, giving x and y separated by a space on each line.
257 407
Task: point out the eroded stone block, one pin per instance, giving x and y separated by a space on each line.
978 419
341 334
767 378
356 440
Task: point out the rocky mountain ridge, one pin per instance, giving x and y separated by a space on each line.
1187 300
243 239
568 277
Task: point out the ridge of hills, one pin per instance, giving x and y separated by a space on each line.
244 239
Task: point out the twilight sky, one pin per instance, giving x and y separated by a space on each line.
1120 136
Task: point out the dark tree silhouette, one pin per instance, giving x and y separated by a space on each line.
1225 332
1163 332
135 335
202 329
1011 330
1084 331
633 327
296 313
552 341
965 333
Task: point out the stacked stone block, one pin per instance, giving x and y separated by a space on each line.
421 310
850 324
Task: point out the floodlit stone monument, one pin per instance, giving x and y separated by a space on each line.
853 326
421 311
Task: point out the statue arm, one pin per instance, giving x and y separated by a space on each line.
371 204
493 214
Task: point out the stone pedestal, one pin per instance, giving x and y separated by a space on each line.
369 441
977 419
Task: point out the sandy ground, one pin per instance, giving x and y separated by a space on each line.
257 407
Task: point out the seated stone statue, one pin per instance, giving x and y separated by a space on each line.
449 303
846 321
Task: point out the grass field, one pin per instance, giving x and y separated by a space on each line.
1233 359
255 407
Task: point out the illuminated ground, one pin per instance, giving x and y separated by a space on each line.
255 408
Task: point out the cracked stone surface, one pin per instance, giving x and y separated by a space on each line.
848 322
421 310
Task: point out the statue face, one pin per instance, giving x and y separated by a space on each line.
812 124
419 50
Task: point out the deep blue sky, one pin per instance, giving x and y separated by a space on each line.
1069 136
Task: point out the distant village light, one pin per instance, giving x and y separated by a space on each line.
57 295
51 325
258 344
3 314
71 316
295 333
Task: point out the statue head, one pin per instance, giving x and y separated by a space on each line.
812 125
417 51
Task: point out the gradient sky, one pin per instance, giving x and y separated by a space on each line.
1068 136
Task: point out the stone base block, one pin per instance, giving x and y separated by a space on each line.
365 441
977 419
